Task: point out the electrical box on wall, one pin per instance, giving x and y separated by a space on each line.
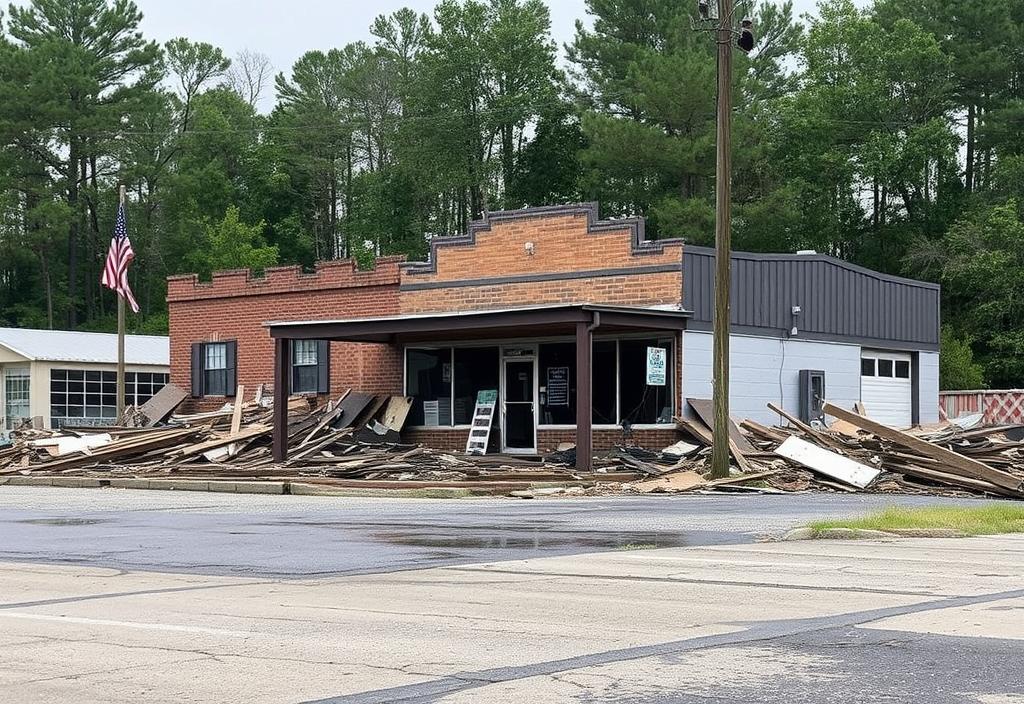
812 396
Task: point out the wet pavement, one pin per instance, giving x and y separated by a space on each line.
292 536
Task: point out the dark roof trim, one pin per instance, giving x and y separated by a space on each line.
754 256
384 329
641 245
554 276
873 342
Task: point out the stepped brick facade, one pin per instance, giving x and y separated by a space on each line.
512 259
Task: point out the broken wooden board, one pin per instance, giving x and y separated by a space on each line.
351 406
827 462
396 412
696 430
952 461
236 412
677 481
706 412
162 404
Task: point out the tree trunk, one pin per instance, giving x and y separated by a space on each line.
73 171
508 161
969 166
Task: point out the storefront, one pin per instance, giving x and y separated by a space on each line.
546 363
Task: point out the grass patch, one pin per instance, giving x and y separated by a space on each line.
972 520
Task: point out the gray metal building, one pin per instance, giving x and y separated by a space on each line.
874 336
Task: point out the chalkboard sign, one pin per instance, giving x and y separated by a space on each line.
558 386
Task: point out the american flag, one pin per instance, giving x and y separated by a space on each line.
115 271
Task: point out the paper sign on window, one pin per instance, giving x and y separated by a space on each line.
657 361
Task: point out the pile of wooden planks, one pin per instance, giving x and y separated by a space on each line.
354 438
859 454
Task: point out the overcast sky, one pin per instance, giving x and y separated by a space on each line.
285 29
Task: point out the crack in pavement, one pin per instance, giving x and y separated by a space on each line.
116 595
757 631
688 580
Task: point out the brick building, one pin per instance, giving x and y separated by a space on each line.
557 311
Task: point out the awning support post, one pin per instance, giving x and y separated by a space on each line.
584 396
282 350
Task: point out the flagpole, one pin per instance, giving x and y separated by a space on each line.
120 345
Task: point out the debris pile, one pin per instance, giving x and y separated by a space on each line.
854 454
355 441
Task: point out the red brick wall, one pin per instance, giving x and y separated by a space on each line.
547 440
234 306
567 241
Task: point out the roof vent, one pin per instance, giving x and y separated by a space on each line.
806 252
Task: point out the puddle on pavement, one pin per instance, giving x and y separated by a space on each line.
64 521
536 540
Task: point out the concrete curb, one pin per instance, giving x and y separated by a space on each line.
865 534
247 487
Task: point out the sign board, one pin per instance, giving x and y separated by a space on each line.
485 397
558 386
483 418
657 362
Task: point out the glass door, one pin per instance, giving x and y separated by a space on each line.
519 407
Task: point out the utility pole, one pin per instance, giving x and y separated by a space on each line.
723 244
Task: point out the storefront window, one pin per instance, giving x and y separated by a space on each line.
605 390
429 381
558 383
476 369
639 401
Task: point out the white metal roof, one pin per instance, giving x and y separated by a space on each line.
95 347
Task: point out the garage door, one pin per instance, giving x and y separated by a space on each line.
886 389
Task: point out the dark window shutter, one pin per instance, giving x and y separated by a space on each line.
323 363
197 369
232 371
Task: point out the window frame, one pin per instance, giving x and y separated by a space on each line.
309 346
221 371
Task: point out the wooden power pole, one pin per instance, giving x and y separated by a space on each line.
120 345
723 245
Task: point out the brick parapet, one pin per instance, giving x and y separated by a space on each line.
328 275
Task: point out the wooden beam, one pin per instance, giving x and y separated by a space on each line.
799 424
282 350
951 461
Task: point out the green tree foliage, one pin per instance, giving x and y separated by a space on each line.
957 368
890 134
232 244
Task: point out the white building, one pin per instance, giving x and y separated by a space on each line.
70 378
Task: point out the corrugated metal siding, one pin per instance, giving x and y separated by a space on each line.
838 300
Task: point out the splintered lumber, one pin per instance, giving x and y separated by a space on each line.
799 424
952 461
705 411
828 463
200 447
131 447
236 412
677 481
741 479
696 430
326 420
